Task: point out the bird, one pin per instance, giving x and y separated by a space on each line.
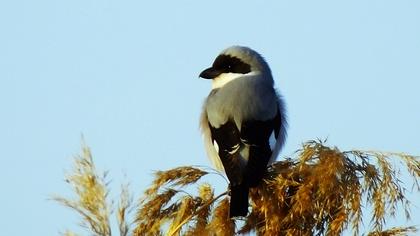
243 121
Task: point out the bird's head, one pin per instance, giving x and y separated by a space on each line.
236 62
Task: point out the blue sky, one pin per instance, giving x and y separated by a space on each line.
125 75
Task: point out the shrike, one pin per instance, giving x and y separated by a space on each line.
243 121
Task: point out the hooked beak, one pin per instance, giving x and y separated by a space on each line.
210 73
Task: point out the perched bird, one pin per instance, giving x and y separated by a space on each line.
243 121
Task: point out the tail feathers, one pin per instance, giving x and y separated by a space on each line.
238 200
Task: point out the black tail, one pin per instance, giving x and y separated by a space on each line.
239 200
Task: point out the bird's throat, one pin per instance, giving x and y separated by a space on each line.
224 79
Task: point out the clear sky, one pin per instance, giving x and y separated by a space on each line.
125 75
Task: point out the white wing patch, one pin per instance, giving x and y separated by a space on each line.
272 141
235 149
216 146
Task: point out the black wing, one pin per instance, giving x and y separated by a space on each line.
227 140
254 133
257 135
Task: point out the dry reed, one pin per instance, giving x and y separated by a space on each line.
323 191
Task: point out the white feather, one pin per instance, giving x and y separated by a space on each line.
272 141
223 79
235 149
216 146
